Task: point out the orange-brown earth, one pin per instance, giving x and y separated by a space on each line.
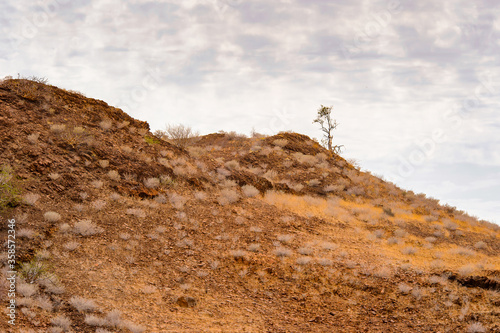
118 230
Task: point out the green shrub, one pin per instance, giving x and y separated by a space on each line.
9 193
151 140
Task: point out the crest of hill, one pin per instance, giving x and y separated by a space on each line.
257 234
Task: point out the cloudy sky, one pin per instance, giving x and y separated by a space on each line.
415 85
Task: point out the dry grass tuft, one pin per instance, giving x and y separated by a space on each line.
86 228
52 216
82 304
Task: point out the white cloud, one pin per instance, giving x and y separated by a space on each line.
393 74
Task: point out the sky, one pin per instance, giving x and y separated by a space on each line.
414 85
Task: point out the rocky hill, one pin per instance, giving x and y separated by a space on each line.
118 230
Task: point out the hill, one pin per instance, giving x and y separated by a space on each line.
118 230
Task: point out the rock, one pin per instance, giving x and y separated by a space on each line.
186 302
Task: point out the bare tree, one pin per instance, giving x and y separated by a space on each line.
328 124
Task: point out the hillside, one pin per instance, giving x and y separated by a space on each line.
120 231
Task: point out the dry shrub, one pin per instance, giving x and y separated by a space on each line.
282 252
62 321
152 182
33 138
31 198
228 196
254 247
177 200
180 135
106 124
232 165
280 142
103 163
249 191
82 304
114 175
52 216
86 228
480 245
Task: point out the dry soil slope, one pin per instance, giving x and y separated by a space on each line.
231 234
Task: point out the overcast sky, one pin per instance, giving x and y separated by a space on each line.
415 85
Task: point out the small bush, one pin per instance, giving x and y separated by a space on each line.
114 175
54 175
325 262
177 200
400 233
280 142
282 252
26 233
236 254
285 238
249 191
97 183
476 327
57 128
31 198
255 229
305 251
418 293
86 228
404 288
106 124
466 270
152 182
98 204
95 321
136 212
409 250
227 196
378 233
33 138
303 260
463 251
179 135
114 318
435 279
71 246
254 247
431 239
134 328
199 195
450 225
62 321
480 245
103 163
26 289
52 216
232 165
314 182
82 304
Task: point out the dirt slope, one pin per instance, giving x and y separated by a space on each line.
120 231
